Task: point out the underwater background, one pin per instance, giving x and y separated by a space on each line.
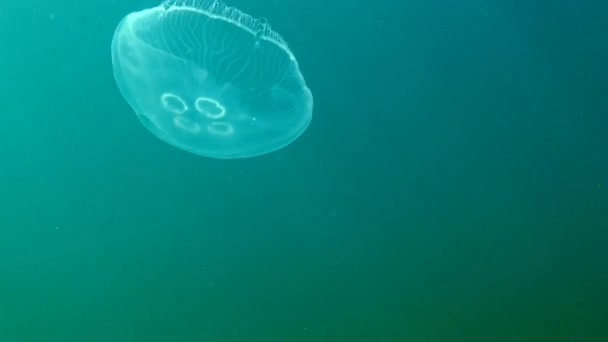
453 184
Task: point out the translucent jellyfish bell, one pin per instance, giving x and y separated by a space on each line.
210 79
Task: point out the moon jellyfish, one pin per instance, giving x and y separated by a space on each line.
210 79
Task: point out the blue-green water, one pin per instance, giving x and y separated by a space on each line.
453 184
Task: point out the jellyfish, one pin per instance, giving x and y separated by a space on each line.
210 79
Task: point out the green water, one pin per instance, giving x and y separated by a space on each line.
453 185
